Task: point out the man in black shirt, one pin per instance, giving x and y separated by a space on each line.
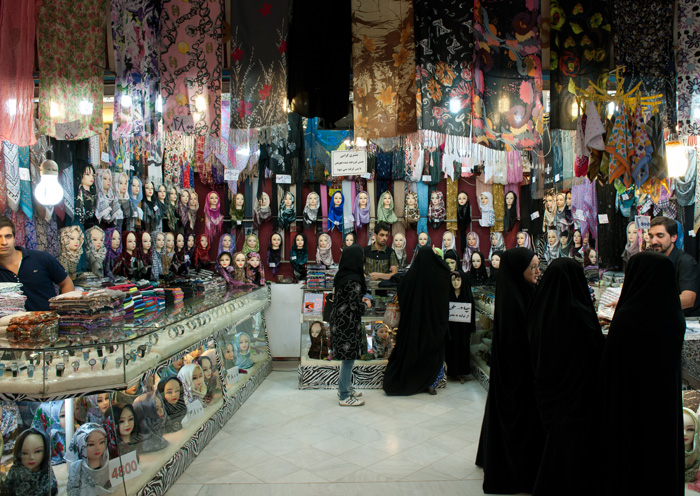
380 260
663 235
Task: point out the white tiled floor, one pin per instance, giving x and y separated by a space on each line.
284 441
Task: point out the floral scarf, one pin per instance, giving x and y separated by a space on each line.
287 215
70 259
48 419
411 214
251 273
436 213
214 219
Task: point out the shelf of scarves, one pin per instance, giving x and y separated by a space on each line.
101 364
164 417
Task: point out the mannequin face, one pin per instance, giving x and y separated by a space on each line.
363 200
568 199
224 260
229 354
97 238
251 241
136 187
95 446
561 201
484 199
244 344
123 182
172 196
451 263
495 261
447 240
254 262
116 240
106 180
647 238
204 242
161 193
32 453
263 201
520 239
593 257
74 240
456 282
145 242
563 239
240 199
510 198
337 199
632 234
577 238
287 200
533 271
103 402
386 201
688 431
422 239
240 261
160 241
411 200
476 261
198 378
226 243
399 241
299 242
126 423
552 238
549 203
276 241
471 240
88 178
213 201
177 364
323 242
185 196
462 198
169 242
434 199
349 239
190 242
313 201
180 241
383 333
148 190
193 201
206 369
494 240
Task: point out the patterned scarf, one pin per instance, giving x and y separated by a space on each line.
253 273
324 255
688 66
70 258
12 181
436 212
286 215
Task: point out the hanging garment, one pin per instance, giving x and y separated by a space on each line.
688 67
12 181
620 148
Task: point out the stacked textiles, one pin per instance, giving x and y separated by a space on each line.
316 277
174 298
11 298
88 280
30 328
330 276
98 311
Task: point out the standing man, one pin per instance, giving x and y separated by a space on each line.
380 260
36 270
663 235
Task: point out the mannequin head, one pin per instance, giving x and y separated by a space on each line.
568 199
399 241
411 199
386 200
462 198
549 202
363 199
510 199
561 202
116 240
205 363
184 196
106 180
299 241
88 177
239 260
123 185
190 241
451 263
422 239
632 234
276 241
180 241
226 242
97 238
312 199
145 242
31 448
495 261
224 259
148 190
136 187
350 239
198 378
552 237
239 201
520 239
532 272
95 447
456 281
315 329
72 239
213 198
130 243
689 429
243 343
471 240
169 242
484 199
172 195
194 201
253 260
434 198
337 198
564 238
160 242
229 354
203 242
102 402
578 240
447 240
476 260
494 239
251 241
126 423
593 257
162 193
324 241
288 200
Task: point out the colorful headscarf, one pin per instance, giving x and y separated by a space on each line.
243 360
201 254
185 376
335 214
361 215
213 218
247 249
324 255
221 244
48 419
468 250
70 259
411 214
135 200
286 215
436 213
262 214
386 214
253 273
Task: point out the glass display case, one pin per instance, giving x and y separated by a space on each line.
139 407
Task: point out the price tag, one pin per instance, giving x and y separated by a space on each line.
293 257
123 468
67 130
625 196
642 221
24 174
366 176
691 233
231 175
272 264
556 178
603 219
194 409
284 179
232 375
460 312
187 257
238 222
534 215
427 178
104 157
155 208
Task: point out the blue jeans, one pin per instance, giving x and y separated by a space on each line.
345 378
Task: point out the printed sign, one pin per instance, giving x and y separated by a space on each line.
366 176
603 219
24 174
123 468
556 178
231 175
183 124
348 162
232 375
283 179
642 221
194 409
67 130
427 178
535 215
104 157
460 312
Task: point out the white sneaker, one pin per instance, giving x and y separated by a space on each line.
351 401
354 394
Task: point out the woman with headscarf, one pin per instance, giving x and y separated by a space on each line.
478 274
565 360
512 438
650 444
347 336
335 211
88 473
416 364
25 479
48 419
458 340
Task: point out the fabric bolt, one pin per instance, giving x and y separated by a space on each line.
444 51
191 59
135 29
643 43
17 33
71 52
12 180
507 103
688 68
579 53
259 67
383 54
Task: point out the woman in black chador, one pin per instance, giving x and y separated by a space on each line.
565 346
512 438
641 417
457 343
416 364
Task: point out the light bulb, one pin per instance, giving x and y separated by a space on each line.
200 103
676 158
126 101
49 190
85 107
54 111
159 103
454 105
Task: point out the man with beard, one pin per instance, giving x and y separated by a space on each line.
662 236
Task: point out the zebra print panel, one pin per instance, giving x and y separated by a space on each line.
480 375
326 377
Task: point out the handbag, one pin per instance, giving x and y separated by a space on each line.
392 315
328 302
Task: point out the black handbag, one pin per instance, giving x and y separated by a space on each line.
328 302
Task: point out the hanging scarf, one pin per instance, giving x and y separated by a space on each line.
48 419
500 243
214 219
335 214
298 256
70 259
311 214
411 213
156 255
324 255
552 251
274 256
12 181
511 216
361 215
255 275
436 210
25 198
386 214
190 393
262 213
287 215
468 251
488 215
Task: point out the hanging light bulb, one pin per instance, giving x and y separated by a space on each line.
676 158
200 103
85 107
454 105
126 101
159 103
574 109
49 190
54 110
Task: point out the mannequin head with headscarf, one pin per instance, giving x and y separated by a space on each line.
360 209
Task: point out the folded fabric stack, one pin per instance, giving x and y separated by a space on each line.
316 277
98 311
31 328
160 299
88 280
11 298
330 276
174 298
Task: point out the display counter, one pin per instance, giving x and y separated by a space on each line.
153 393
